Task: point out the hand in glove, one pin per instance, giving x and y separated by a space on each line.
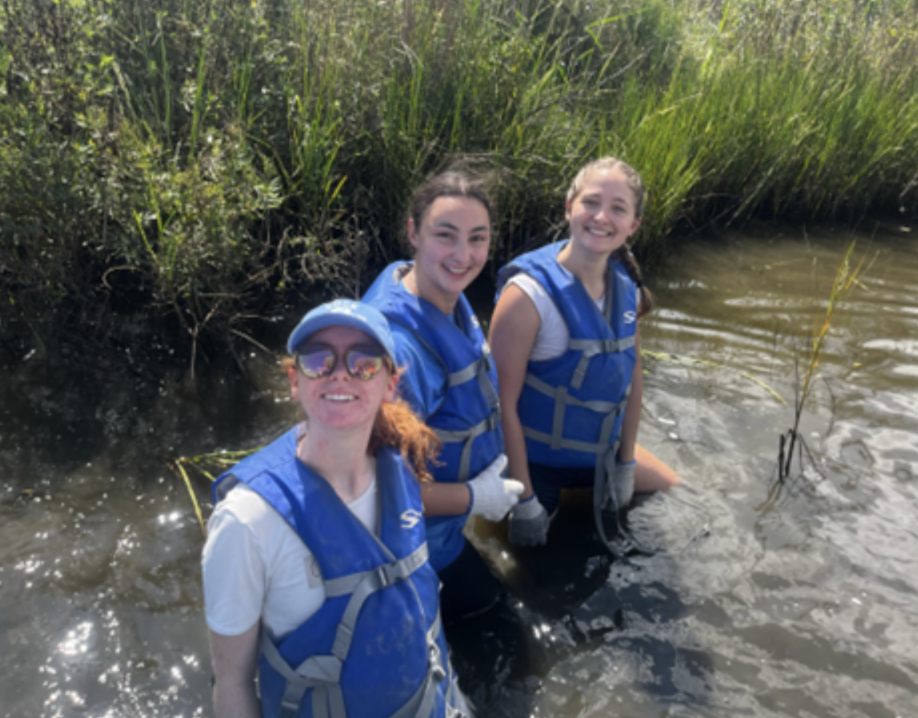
529 523
620 486
492 496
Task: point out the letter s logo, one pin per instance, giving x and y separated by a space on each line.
410 518
630 317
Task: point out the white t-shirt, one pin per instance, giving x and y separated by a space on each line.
255 566
553 336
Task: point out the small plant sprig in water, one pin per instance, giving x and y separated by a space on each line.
203 463
845 279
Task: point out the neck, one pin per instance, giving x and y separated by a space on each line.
588 267
340 457
417 285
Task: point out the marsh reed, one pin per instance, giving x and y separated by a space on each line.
196 160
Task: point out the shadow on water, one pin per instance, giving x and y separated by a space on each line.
803 605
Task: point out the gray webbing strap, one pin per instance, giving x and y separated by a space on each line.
587 446
316 672
601 346
478 369
464 375
421 704
601 407
323 673
468 436
592 347
347 584
605 464
556 439
557 422
487 388
372 581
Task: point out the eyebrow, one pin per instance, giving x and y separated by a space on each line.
597 195
450 225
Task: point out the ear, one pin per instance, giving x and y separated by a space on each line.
635 225
292 376
412 233
391 388
567 210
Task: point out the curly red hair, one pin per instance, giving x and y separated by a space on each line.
398 427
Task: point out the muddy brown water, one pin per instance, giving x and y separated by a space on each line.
798 600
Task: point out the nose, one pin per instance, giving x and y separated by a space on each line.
462 250
603 213
339 371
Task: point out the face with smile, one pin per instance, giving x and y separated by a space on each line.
339 400
451 248
602 216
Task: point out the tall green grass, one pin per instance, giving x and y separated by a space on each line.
193 158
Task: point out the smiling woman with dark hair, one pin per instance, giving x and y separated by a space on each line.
449 379
315 568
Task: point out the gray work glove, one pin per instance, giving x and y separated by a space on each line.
620 486
529 523
492 496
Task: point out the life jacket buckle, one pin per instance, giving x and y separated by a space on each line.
434 666
493 420
382 576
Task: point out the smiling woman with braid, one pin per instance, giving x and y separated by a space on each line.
565 340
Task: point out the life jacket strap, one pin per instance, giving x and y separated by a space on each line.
348 584
468 436
600 407
562 399
323 673
592 347
605 451
478 369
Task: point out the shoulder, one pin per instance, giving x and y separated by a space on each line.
246 514
538 295
424 379
388 281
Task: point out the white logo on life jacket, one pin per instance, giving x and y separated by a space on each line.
630 317
410 518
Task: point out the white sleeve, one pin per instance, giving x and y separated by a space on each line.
553 336
232 567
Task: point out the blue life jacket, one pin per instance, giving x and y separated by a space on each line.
374 647
468 419
572 406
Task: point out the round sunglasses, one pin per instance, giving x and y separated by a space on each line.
362 363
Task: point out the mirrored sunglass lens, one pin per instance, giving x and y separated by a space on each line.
363 365
317 363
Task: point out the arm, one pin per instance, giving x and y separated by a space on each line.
628 437
514 328
233 579
235 659
445 499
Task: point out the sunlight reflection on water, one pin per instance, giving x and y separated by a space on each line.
793 601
